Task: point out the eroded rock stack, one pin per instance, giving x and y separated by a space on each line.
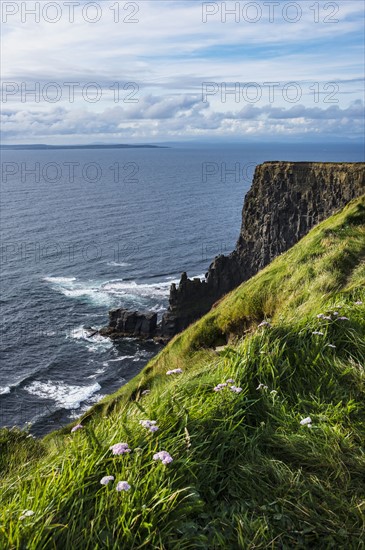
123 322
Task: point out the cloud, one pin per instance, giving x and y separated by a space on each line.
182 116
169 53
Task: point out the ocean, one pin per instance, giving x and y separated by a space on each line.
84 231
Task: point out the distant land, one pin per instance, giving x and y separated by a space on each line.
90 146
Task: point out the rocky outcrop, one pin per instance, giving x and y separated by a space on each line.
123 322
285 201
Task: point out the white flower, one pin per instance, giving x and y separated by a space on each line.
26 514
306 421
261 387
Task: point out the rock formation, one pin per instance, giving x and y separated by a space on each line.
123 322
285 201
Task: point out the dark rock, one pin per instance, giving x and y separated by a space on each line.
123 322
285 201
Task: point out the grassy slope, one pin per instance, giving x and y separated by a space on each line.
245 473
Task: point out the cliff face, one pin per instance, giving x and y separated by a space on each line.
285 201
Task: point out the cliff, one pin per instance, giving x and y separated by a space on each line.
285 201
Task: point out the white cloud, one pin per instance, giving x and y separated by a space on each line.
169 54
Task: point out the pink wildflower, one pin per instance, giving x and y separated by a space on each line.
77 427
151 425
220 387
123 486
164 456
120 448
105 480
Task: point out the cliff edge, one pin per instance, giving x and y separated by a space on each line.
285 201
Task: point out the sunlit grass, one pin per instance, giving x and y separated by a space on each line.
245 472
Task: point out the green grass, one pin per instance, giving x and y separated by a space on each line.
246 474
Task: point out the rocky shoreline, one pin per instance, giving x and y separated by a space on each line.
285 201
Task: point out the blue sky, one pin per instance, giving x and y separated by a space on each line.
297 71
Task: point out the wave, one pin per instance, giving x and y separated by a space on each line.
64 395
60 280
112 292
95 342
121 358
118 264
4 390
99 371
118 287
73 288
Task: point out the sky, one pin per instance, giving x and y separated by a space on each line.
152 71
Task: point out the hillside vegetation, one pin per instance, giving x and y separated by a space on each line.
273 459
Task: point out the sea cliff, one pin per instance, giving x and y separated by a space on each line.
285 201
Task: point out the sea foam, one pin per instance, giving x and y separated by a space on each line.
64 395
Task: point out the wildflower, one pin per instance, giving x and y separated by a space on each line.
358 303
306 421
151 425
230 381
327 317
331 346
235 389
26 514
220 387
343 318
273 392
320 316
264 324
120 448
105 480
174 371
335 313
318 333
164 456
123 486
261 387
77 427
